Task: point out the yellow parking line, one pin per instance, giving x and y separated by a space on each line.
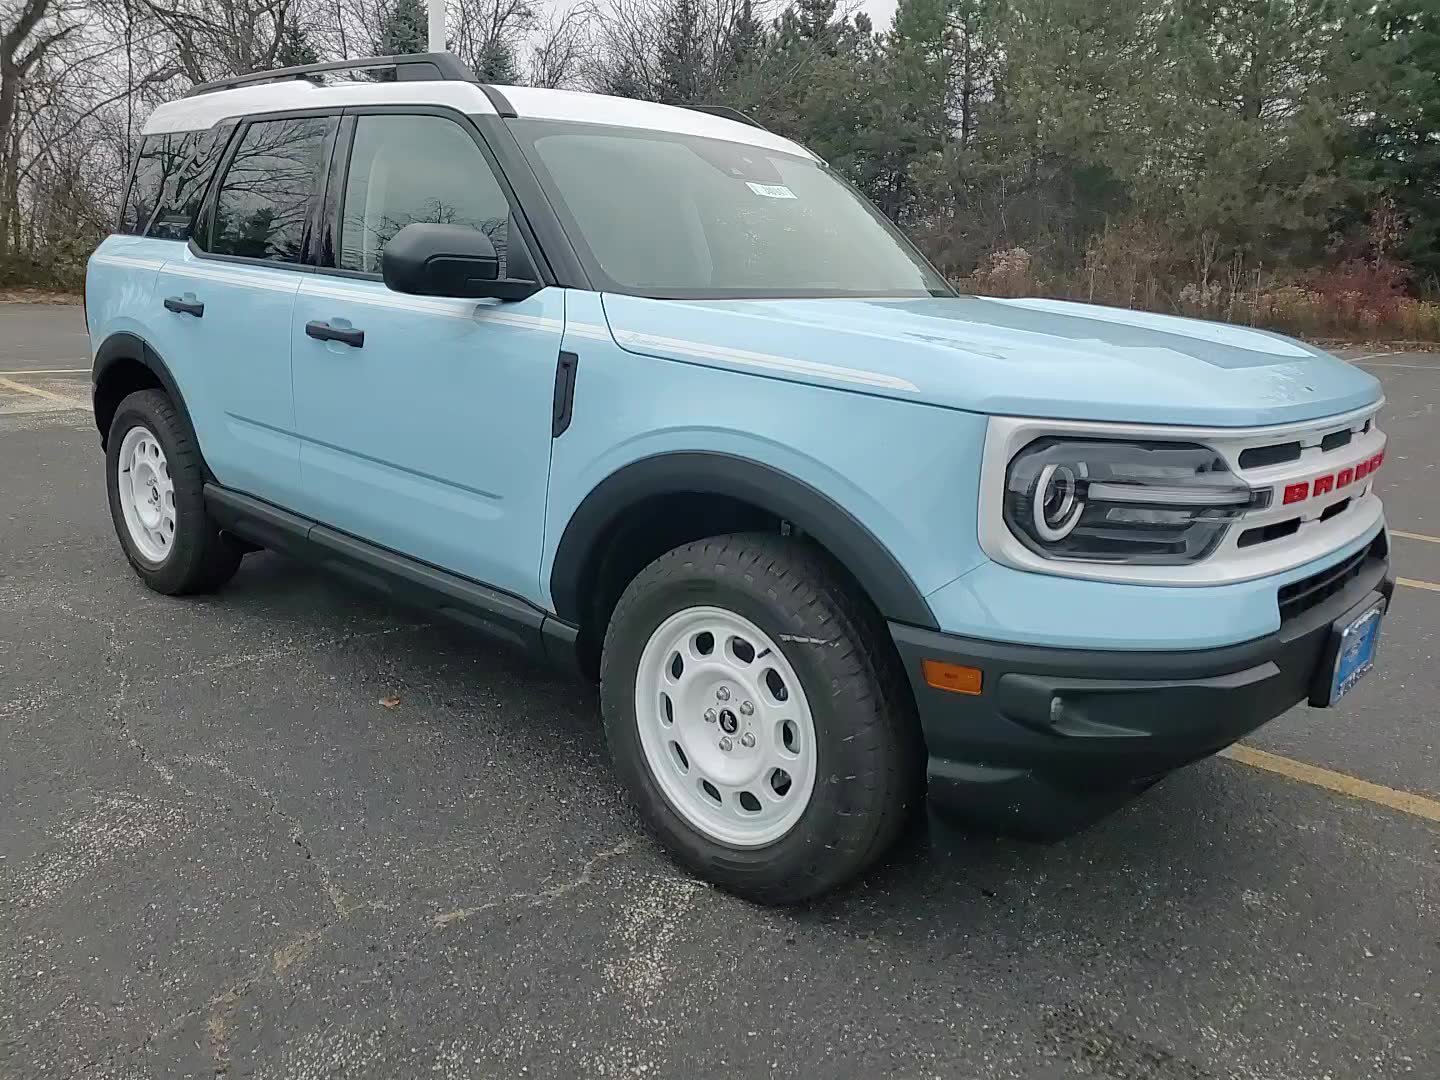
1415 536
1415 584
49 371
1407 802
72 403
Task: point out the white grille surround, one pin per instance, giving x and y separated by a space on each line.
1313 538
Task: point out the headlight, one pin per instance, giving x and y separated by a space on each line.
1156 503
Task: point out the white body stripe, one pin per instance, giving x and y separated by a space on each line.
273 280
127 260
789 365
424 305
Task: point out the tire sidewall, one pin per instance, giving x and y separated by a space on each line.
151 410
835 714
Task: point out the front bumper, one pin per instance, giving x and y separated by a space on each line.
1058 737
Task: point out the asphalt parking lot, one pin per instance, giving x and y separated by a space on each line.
287 831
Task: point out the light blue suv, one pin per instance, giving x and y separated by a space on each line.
652 392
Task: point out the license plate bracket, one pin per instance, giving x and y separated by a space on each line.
1350 653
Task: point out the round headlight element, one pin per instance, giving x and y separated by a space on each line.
1056 502
1112 500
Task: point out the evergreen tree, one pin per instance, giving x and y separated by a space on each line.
404 30
295 48
745 38
1396 150
496 64
682 54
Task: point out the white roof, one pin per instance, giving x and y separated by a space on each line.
573 105
206 110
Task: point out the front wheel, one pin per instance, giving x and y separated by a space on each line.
755 714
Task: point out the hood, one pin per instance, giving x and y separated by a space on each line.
1044 358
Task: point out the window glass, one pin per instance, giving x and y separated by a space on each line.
665 214
176 167
144 190
405 169
265 196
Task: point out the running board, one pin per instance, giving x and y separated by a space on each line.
406 580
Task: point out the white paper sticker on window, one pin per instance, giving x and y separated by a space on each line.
771 191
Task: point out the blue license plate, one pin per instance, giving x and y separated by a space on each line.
1356 654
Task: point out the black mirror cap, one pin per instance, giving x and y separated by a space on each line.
425 259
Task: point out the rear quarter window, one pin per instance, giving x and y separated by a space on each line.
172 173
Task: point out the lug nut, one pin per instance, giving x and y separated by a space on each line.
726 744
747 708
723 693
710 716
747 740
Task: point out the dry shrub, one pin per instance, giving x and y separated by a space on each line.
1005 273
1292 308
1124 265
1202 300
1417 320
1362 293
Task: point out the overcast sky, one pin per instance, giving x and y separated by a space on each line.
880 12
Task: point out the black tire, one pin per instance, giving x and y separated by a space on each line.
867 735
200 558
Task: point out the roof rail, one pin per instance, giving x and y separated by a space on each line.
729 114
412 67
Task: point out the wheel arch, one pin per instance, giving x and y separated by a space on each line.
125 363
737 482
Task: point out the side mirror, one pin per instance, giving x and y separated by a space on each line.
447 260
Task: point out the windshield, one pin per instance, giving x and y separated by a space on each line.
655 213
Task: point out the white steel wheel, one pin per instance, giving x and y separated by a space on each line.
146 494
725 727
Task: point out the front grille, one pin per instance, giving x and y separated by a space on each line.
1300 596
1263 456
1257 457
1263 534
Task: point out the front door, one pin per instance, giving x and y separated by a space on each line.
425 422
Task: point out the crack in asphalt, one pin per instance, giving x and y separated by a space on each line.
333 893
540 898
300 946
121 725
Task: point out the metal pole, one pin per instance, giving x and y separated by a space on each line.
437 25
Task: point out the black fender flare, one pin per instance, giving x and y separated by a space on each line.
806 507
124 346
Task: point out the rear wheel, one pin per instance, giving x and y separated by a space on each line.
755 715
155 486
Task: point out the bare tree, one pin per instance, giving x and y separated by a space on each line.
486 35
212 39
38 27
563 47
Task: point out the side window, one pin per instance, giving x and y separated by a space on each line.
265 196
144 193
171 176
405 169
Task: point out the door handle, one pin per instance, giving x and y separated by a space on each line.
323 331
181 306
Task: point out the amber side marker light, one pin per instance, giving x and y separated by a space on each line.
956 678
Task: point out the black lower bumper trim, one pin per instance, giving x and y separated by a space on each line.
1060 736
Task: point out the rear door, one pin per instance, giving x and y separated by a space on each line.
425 422
227 300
